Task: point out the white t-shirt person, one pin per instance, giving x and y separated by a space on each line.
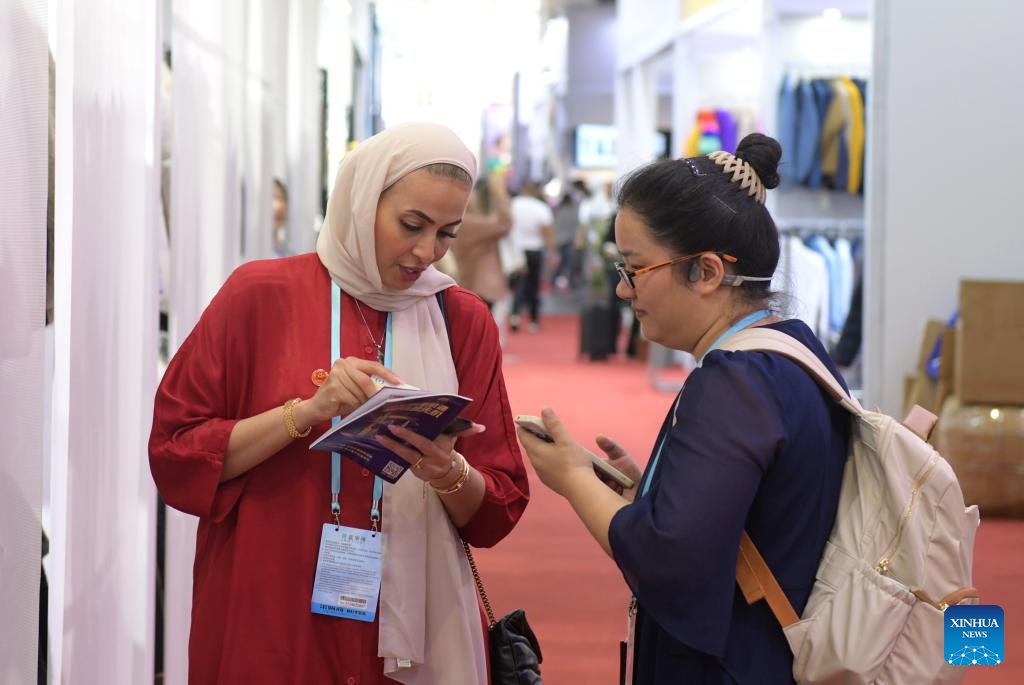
529 217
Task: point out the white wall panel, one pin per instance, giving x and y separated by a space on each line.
591 65
645 27
262 147
335 55
23 188
207 48
237 124
636 104
303 129
209 68
940 207
106 336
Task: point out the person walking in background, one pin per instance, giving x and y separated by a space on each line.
478 262
566 223
286 346
279 211
566 229
532 233
752 443
611 252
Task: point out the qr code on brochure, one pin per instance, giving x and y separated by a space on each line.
391 470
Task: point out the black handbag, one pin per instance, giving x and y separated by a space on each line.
514 652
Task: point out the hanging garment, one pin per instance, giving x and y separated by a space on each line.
855 136
726 129
847 277
803 275
787 130
808 132
836 119
692 142
710 133
820 244
823 99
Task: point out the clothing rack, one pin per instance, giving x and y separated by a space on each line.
830 228
818 70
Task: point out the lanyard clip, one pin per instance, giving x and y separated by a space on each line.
375 516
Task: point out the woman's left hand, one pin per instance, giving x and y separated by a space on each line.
557 463
432 460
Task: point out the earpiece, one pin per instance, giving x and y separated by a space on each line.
695 271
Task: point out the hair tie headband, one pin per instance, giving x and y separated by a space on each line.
741 171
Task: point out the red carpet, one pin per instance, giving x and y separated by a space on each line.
573 594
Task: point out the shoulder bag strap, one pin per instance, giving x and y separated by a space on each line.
443 305
479 584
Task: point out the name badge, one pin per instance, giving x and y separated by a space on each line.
348 572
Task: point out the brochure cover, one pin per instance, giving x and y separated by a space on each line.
426 413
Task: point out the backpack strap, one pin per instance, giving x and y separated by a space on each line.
768 340
755 579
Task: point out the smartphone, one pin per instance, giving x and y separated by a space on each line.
457 425
535 426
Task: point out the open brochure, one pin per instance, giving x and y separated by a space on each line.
355 436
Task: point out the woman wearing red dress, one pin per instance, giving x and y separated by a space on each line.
284 347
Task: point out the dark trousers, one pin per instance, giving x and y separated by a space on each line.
566 263
528 286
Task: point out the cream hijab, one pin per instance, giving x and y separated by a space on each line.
430 630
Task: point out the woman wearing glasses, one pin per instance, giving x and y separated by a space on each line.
751 443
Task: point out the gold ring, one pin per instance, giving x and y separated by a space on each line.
417 464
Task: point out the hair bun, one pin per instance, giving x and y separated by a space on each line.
763 153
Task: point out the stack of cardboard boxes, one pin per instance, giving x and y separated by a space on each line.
979 394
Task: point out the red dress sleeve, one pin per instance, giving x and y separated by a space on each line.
190 432
495 452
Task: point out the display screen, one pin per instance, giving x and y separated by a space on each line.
595 146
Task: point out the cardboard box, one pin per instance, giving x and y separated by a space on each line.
989 366
985 446
919 388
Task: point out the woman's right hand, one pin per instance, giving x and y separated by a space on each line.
620 459
347 386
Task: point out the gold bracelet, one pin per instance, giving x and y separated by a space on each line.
460 481
289 419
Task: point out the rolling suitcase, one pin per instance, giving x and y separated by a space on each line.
599 328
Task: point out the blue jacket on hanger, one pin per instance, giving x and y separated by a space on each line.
808 132
787 133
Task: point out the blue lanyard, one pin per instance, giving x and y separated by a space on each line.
378 484
747 320
649 473
738 326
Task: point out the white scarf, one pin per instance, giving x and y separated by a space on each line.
430 629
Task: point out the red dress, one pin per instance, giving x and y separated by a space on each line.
256 346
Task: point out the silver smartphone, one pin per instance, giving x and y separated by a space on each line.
535 426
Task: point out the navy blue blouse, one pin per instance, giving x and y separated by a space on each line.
753 444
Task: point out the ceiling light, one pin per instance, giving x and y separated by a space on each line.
832 14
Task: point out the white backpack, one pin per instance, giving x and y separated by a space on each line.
900 551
